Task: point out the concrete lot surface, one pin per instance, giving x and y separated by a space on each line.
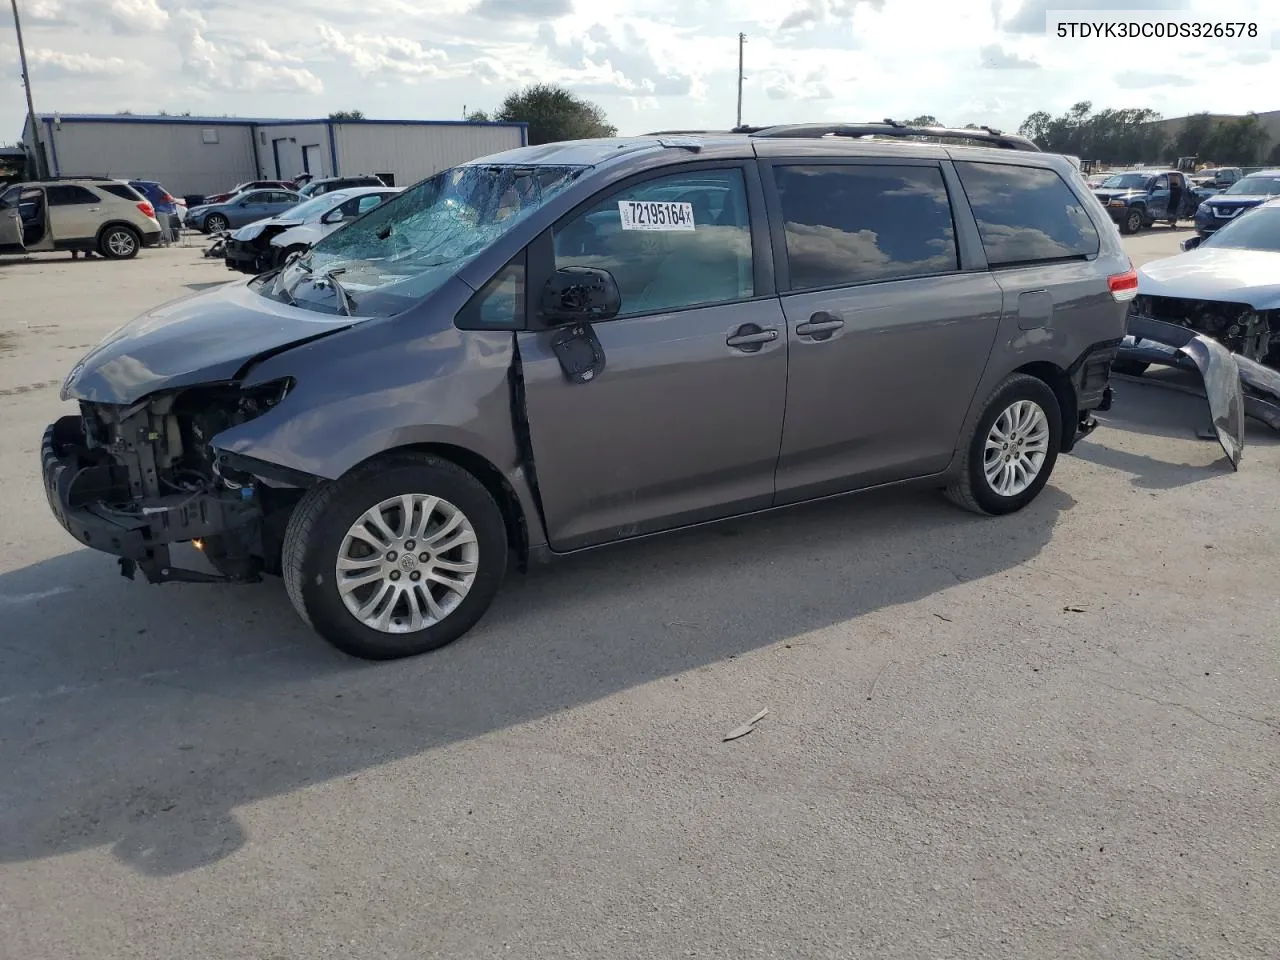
1051 735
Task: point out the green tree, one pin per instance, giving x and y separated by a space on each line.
1194 136
924 120
554 114
477 116
1273 158
340 115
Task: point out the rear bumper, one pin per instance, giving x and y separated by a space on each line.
151 238
1090 378
87 494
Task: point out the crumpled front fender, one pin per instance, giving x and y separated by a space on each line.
1154 341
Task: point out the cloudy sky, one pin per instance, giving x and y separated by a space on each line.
651 64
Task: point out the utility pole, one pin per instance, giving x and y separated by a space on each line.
742 40
37 147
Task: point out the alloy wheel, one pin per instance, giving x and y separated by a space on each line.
1016 447
407 563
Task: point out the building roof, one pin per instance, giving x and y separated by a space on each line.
254 121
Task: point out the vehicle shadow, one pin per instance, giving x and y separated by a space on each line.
141 717
1143 408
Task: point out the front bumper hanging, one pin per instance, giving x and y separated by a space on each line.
82 487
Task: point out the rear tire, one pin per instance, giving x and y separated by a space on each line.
287 252
436 574
119 243
1031 423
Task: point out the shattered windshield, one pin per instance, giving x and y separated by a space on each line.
1126 181
404 249
1256 229
1254 187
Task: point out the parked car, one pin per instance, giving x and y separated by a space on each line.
1219 178
266 244
1226 286
80 214
252 185
328 184
1138 198
1095 180
241 209
569 345
166 204
1217 211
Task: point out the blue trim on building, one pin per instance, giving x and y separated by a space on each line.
53 146
333 150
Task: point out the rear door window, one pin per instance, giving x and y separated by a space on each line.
858 223
66 195
671 243
1026 214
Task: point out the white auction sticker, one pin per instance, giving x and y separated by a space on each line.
655 215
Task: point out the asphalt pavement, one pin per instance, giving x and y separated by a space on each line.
1054 734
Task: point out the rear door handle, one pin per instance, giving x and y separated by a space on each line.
820 326
750 338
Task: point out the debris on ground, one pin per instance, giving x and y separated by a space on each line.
746 728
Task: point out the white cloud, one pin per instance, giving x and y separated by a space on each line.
995 57
219 65
383 56
52 63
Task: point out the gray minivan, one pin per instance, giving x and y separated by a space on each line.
568 345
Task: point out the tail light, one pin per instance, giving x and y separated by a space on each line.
1123 286
167 198
147 209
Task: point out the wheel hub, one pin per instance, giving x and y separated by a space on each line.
1016 447
407 563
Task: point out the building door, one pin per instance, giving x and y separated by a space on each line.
311 162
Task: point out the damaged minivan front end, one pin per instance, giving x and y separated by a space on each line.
132 480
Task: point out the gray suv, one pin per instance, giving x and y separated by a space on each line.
569 345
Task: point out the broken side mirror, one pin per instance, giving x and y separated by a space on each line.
1191 243
576 295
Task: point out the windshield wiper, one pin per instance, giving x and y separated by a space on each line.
345 300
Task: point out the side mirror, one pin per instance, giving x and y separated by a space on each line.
333 216
1191 243
580 295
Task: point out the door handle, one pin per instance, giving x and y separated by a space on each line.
750 338
820 326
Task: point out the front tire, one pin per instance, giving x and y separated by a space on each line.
1132 221
1012 450
119 243
216 223
399 557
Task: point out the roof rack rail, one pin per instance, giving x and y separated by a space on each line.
892 128
87 176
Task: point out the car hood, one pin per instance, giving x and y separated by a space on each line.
1241 200
1104 195
305 233
201 339
1236 276
254 230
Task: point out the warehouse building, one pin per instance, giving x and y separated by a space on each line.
205 155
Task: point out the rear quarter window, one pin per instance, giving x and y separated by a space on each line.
1026 214
123 191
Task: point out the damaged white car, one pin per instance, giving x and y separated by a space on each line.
1216 307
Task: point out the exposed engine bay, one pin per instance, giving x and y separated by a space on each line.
146 475
1253 334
